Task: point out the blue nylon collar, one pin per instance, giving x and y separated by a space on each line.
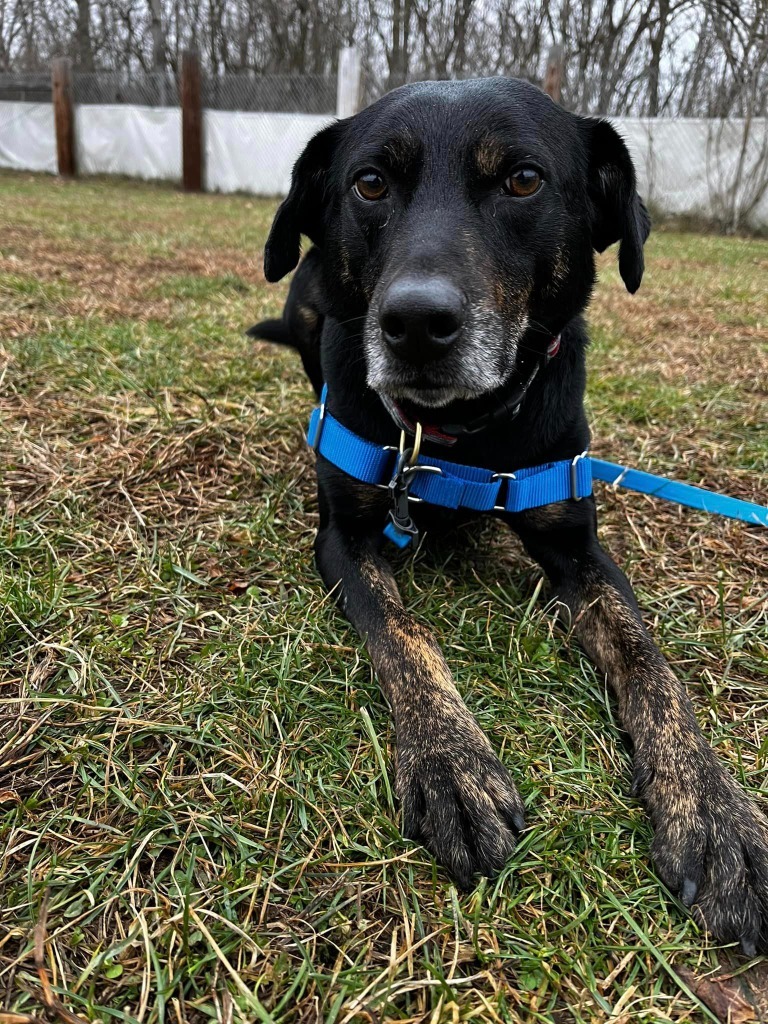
455 486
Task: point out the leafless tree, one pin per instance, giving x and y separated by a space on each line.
158 37
740 64
648 57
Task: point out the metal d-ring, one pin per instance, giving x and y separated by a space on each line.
319 431
416 444
406 465
411 454
574 474
502 476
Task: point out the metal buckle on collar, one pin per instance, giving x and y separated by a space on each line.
574 475
400 527
404 474
502 476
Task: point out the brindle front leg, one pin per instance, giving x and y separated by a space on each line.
457 798
711 840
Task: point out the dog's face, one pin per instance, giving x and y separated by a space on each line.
457 219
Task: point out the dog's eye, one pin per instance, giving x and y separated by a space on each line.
370 186
522 182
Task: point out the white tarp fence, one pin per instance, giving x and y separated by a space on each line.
140 142
691 165
27 136
685 166
249 152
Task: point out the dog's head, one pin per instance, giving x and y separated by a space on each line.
457 219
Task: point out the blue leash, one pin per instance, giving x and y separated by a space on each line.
682 494
456 486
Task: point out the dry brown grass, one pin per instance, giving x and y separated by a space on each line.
190 782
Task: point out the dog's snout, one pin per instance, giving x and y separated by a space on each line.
421 318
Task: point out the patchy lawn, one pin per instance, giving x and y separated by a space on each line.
194 813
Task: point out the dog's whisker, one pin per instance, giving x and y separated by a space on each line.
352 319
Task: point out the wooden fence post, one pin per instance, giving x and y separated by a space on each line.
64 116
553 78
191 122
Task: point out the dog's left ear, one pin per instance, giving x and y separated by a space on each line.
302 212
619 214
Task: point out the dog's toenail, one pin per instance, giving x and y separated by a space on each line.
689 891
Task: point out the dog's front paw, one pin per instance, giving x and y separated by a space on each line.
458 799
711 848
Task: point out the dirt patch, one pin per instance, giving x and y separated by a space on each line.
104 279
682 343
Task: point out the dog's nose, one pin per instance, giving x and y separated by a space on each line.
421 317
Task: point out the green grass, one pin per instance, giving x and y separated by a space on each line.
194 755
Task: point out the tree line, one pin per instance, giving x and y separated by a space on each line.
646 57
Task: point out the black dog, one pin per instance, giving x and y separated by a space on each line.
455 226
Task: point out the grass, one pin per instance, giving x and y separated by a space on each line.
195 812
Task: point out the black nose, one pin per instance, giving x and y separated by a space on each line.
421 317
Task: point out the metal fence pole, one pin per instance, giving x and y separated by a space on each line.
348 82
64 116
191 122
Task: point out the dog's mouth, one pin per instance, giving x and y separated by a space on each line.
439 387
438 410
414 399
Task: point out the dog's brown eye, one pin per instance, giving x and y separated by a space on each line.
371 186
523 182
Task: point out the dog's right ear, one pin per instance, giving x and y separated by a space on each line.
302 212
